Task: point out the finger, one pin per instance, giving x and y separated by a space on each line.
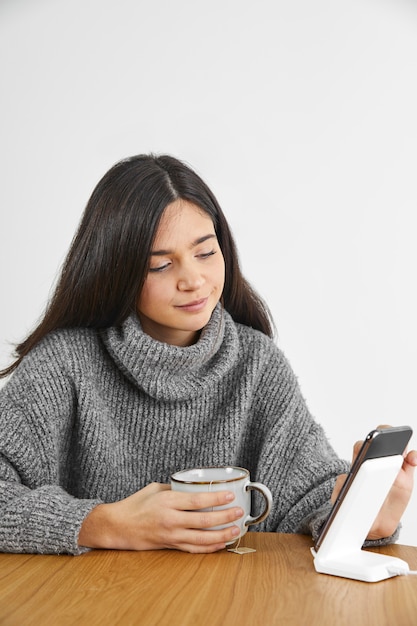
206 540
411 458
356 447
209 519
200 549
201 500
337 487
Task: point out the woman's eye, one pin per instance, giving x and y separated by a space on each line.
160 268
205 255
201 255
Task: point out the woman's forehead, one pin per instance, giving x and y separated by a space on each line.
182 221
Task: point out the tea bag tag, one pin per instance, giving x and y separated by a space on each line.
242 550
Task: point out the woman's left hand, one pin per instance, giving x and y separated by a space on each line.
397 499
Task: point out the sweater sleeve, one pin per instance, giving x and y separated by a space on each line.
37 512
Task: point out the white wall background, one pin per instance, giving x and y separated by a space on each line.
301 116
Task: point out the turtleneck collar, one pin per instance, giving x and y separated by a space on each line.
168 372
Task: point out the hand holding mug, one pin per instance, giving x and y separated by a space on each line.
234 479
157 517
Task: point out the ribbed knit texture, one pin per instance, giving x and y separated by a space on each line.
93 416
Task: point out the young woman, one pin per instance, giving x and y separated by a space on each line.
156 355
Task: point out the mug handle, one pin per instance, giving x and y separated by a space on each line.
263 489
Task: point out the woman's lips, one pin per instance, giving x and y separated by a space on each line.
195 306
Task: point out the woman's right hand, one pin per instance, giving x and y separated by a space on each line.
157 517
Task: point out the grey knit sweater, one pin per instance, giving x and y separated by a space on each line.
93 416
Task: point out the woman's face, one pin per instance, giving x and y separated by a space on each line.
186 276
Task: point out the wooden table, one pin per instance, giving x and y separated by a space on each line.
277 584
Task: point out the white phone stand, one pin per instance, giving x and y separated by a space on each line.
341 553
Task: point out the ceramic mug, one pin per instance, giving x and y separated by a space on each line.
235 479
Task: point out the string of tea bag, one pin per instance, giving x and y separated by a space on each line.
242 550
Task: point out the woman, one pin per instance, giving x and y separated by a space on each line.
156 355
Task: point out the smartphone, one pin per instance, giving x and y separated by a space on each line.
378 443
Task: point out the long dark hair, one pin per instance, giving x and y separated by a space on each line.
107 262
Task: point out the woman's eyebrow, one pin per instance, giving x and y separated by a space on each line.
192 245
202 239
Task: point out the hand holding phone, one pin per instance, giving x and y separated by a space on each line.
379 443
338 548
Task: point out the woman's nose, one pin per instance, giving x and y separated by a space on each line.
190 280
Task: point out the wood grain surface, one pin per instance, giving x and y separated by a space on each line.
277 584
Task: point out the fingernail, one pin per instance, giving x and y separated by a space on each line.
235 531
238 513
230 496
